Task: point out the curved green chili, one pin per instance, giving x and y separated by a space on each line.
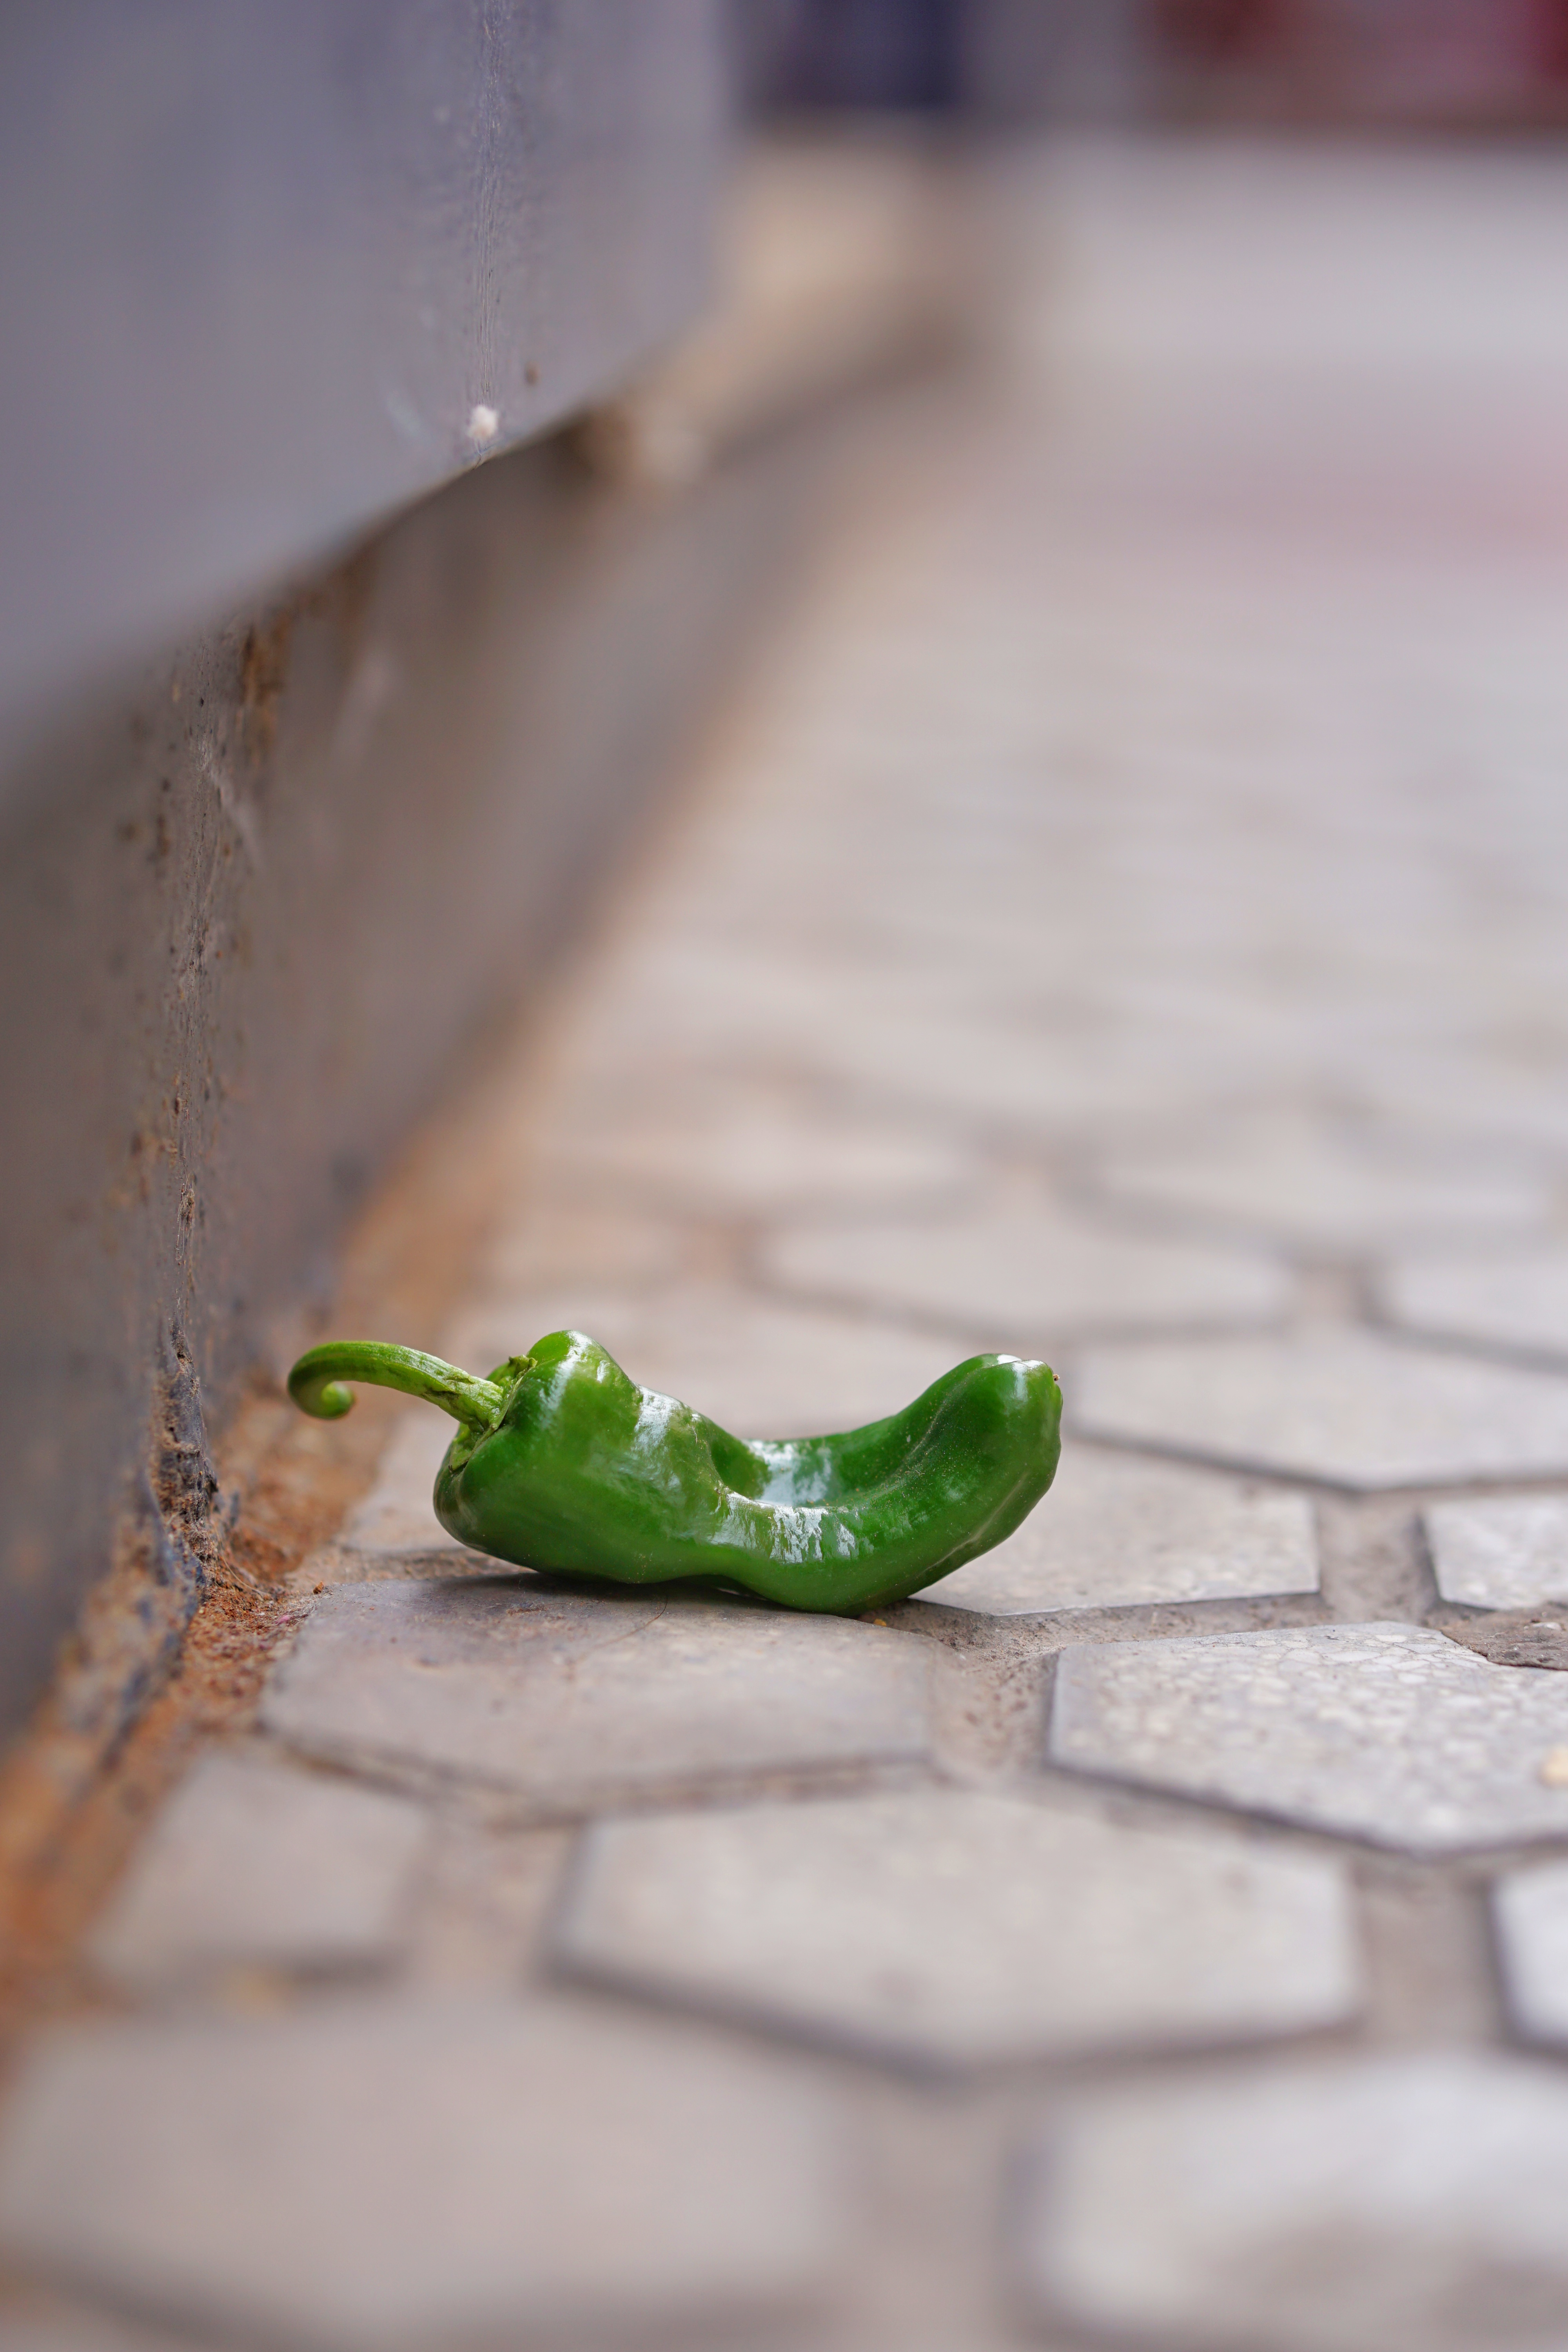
317 1381
561 1462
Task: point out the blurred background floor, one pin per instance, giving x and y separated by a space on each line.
1120 917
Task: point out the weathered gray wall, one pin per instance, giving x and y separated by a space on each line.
261 260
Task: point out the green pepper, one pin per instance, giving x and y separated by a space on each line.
562 1463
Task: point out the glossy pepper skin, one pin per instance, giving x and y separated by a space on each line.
561 1462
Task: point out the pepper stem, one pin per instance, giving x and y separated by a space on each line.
316 1382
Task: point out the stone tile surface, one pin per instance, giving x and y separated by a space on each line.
564 1697
1001 1076
752 1149
950 1925
761 1367
427 2173
398 1514
1500 1552
1343 1405
1022 1277
253 1863
554 1238
1115 1530
1443 1090
52 2325
1391 1733
1302 1181
1529 1914
1518 1301
1411 2203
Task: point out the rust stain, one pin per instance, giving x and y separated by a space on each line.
263 675
74 1797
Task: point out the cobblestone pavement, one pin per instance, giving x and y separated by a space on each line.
1126 923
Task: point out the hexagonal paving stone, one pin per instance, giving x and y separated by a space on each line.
1115 1530
563 1698
946 1925
1343 1406
55 2324
1014 1076
1391 1733
1295 1178
398 1514
1519 1301
251 1863
1448 1087
398 2174
547 1240
1530 1908
1021 1275
1409 2203
1500 1552
749 1148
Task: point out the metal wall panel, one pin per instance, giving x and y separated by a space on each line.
269 269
